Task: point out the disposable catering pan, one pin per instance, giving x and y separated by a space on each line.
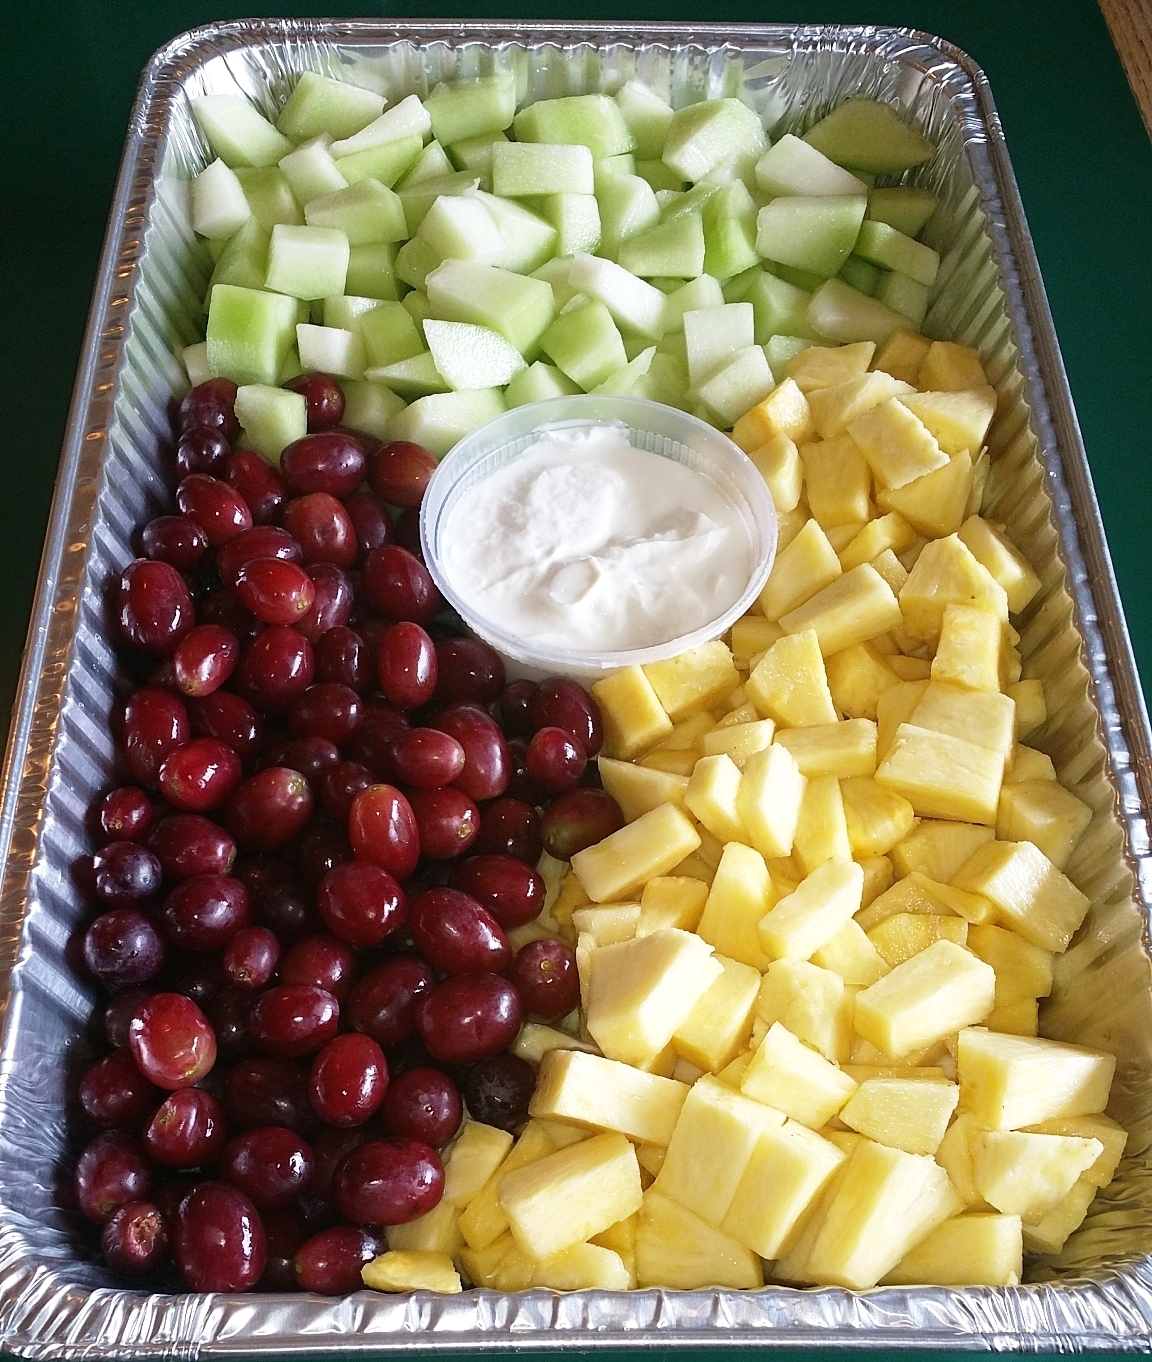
55 1298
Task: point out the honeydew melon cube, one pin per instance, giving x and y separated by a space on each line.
519 308
269 195
365 212
330 350
594 121
219 206
442 419
409 118
372 271
527 168
346 310
461 228
583 343
415 261
319 104
270 418
238 133
701 292
805 279
627 206
843 313
537 383
387 162
780 351
702 136
390 334
712 335
415 377
730 232
310 170
794 167
474 154
370 406
249 333
740 381
869 136
883 245
418 198
470 356
860 275
576 218
307 262
529 239
430 164
903 295
554 272
674 248
647 115
461 109
811 233
623 382
633 303
906 207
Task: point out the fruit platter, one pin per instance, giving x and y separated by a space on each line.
757 955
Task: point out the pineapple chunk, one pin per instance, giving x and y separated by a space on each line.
949 367
902 354
1050 1234
750 636
876 818
606 926
1026 1174
1031 705
876 1207
854 608
942 776
482 1264
634 719
959 419
652 845
1021 1018
995 551
807 565
711 1146
412 1271
936 503
740 895
812 1002
1022 970
843 749
711 797
437 1231
478 1151
926 998
906 1113
836 407
1112 1138
970 648
1045 813
790 685
893 706
805 919
483 1220
978 716
679 1249
673 761
536 1040
886 532
822 831
778 462
967 1250
642 990
898 446
913 894
768 800
837 482
820 366
693 680
878 876
954 1155
607 1096
784 411
903 935
739 741
892 569
938 849
946 573
789 1168
583 1267
1028 764
639 789
852 956
566 1197
1012 1081
785 1074
671 901
1031 896
857 677
718 1027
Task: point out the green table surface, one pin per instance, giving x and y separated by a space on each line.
1081 156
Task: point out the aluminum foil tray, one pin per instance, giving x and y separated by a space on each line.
55 1299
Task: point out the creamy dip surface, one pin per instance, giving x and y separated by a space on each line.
586 542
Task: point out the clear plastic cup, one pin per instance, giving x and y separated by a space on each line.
663 430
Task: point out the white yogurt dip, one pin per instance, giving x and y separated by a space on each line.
586 542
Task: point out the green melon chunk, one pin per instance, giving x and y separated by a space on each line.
803 279
372 270
307 262
415 303
432 162
623 382
672 248
624 164
584 343
418 198
320 104
666 381
860 273
270 196
660 176
537 383
867 135
366 212
807 233
409 118
555 272
347 310
244 259
249 333
692 201
524 169
778 350
647 115
842 313
713 334
730 231
595 121
907 296
634 304
215 248
272 417
892 250
219 205
529 239
795 167
310 170
627 206
576 218
410 378
903 206
415 261
387 162
239 134
390 334
442 420
330 350
519 308
779 308
744 379
702 136
470 356
469 108
370 406
462 228
474 154
703 291
735 288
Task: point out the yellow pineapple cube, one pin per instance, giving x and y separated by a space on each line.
621 1237
790 1166
673 761
955 1154
778 462
843 749
1045 813
977 716
677 1248
536 1040
969 650
480 1265
1026 763
801 569
625 860
902 354
639 789
412 1271
606 1095
583 1267
878 877
958 419
876 818
942 776
790 685
693 680
787 1076
995 551
967 1250
566 1197
1050 1234
805 919
909 668
1021 1018
741 893
926 998
898 446
790 523
822 831
769 798
903 935
836 407
891 569
857 677
688 735
938 849
840 536
671 901
476 1154
949 367
1112 1137
820 366
852 956
915 893
643 990
906 1113
1031 896
894 705
838 482
812 1002
437 1231
634 719
751 636
783 412
743 713
718 1027
514 1270
1027 1174
1022 969
1031 706
606 926
711 797
854 608
484 1220
738 741
1008 1082
889 532
946 573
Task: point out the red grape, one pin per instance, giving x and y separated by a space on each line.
499 1089
113 1092
294 1020
423 1104
561 703
171 1041
383 1003
322 961
426 758
135 1240
258 483
219 1241
382 830
174 539
187 1130
469 1017
153 606
123 947
261 541
469 669
447 820
332 461
330 1262
399 585
219 510
577 820
212 404
323 400
189 844
456 934
251 956
510 889
389 1182
269 808
323 529
275 591
112 1171
271 1165
555 760
348 1080
125 814
486 765
399 472
546 978
406 665
204 659
199 775
361 903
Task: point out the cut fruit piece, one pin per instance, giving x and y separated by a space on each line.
1031 896
792 166
994 551
538 383
739 382
478 1151
307 262
812 1002
366 212
238 133
269 195
740 894
936 503
838 482
526 168
946 573
442 419
967 1250
410 378
372 271
836 407
1007 1082
406 119
627 859
330 350
389 334
805 920
584 344
370 407
984 716
719 1026
906 207
249 333
576 219
711 797
1045 813
714 334
412 1270
937 992
518 308
1028 1174
813 233
387 162
673 249
898 446
949 367
634 718
906 296
606 1095
461 228
647 115
788 1076
843 313
769 799
883 245
904 1113
703 136
319 104
853 609
842 749
804 567
694 680
678 1249
271 420
633 303
467 108
594 121
529 240
942 776
789 683
870 137
218 203
469 357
